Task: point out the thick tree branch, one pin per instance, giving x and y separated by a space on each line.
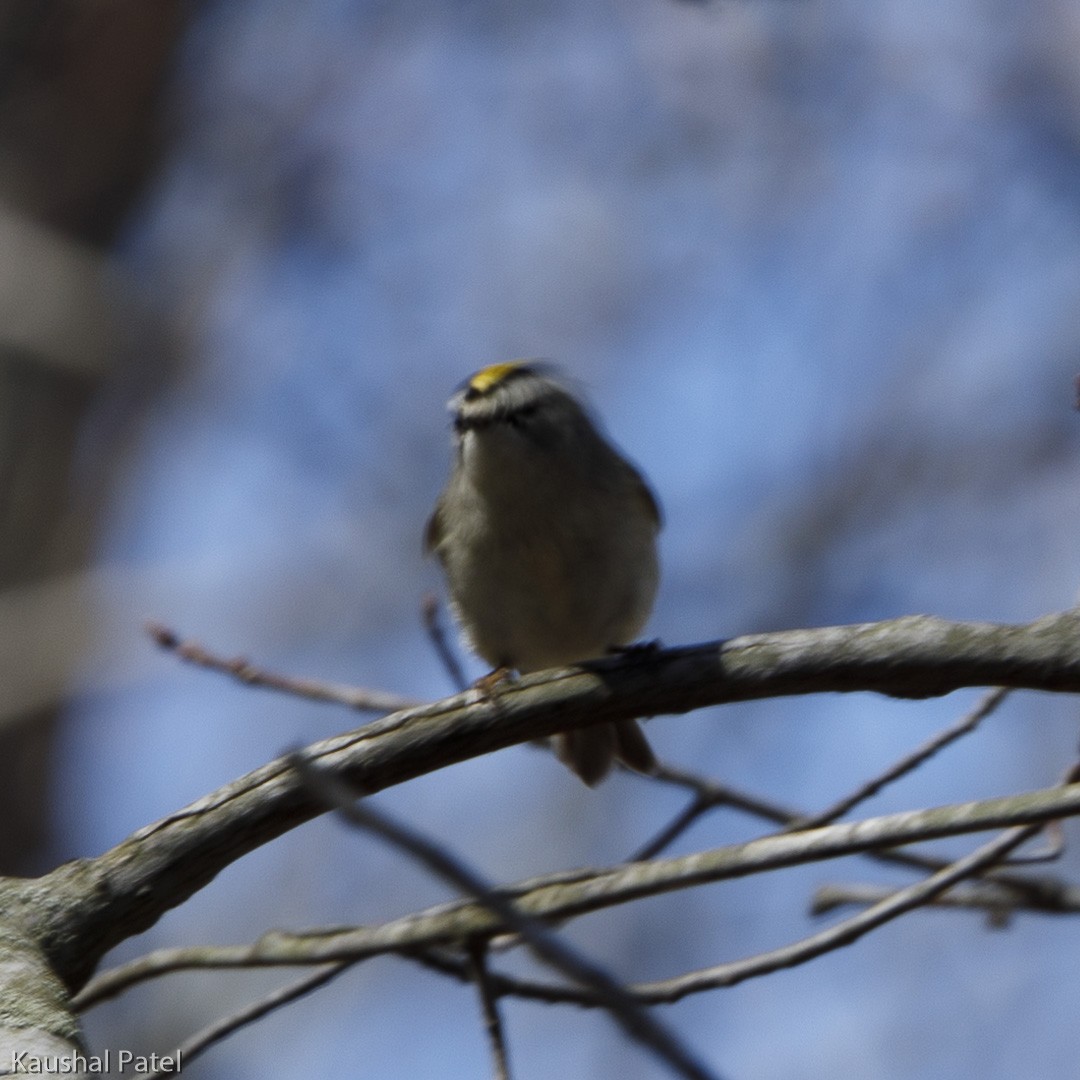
94 904
35 1012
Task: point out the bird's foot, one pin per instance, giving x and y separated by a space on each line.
488 685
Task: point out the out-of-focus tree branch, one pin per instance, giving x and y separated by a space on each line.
80 87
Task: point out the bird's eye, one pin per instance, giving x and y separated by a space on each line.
522 413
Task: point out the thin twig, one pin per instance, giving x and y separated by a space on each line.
1043 894
630 1016
697 807
489 1007
220 1029
354 697
970 897
708 795
990 898
987 704
159 962
429 609
451 962
845 932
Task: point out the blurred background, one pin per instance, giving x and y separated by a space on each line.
817 265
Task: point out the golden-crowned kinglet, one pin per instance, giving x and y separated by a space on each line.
547 536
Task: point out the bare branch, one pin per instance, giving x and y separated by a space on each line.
449 962
556 897
354 697
443 649
886 907
628 1014
96 903
988 897
489 1007
964 726
227 1025
844 933
153 965
1048 895
709 795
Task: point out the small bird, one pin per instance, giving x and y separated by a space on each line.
547 536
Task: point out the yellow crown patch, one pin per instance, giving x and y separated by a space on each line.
494 374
